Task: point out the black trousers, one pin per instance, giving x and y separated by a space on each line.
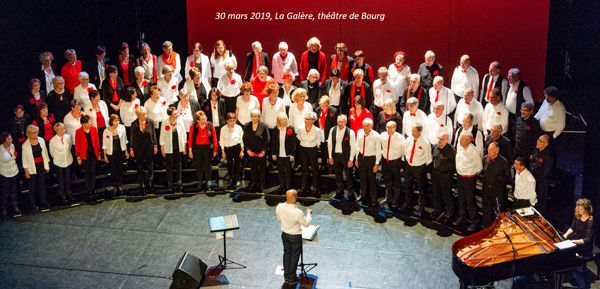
367 177
415 176
324 154
393 182
292 247
441 185
37 184
202 160
521 203
541 189
308 157
144 167
492 199
258 172
64 181
284 165
234 163
230 103
9 189
340 167
174 163
466 198
115 163
89 171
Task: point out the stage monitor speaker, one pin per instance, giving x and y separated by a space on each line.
189 273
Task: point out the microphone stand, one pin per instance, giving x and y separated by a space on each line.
512 273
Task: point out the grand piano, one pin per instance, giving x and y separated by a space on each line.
489 255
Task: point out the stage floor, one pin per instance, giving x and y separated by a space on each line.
119 244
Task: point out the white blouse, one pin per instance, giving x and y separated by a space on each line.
8 161
297 116
218 65
72 124
91 112
185 114
60 150
170 90
166 136
107 139
127 111
270 112
82 94
246 107
157 112
232 137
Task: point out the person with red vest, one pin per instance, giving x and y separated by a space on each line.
87 149
254 60
70 71
342 61
358 113
313 58
202 145
126 64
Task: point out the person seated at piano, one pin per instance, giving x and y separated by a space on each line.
524 194
581 233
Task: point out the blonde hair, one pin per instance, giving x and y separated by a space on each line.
139 111
324 99
57 126
586 204
31 129
280 117
300 92
313 41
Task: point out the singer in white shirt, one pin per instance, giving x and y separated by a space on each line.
552 113
465 76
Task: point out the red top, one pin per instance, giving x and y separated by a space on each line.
303 66
100 122
357 120
345 66
259 89
48 131
81 143
203 136
125 67
70 73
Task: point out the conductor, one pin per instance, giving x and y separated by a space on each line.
291 218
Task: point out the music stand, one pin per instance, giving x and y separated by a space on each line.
224 224
309 236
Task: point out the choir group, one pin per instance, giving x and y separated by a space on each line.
316 116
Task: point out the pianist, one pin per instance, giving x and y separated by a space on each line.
580 233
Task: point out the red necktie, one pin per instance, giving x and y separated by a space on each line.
413 114
364 142
493 160
412 153
489 88
437 95
468 102
388 149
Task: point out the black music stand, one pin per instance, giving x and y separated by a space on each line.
309 235
224 224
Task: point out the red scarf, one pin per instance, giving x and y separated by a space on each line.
353 92
113 85
170 59
322 117
408 95
256 66
344 69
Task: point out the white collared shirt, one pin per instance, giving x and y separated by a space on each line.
101 71
166 136
227 88
72 124
395 150
383 92
400 79
478 139
468 161
335 93
372 146
91 112
60 150
148 66
49 77
291 218
127 111
437 125
474 107
310 139
421 149
445 96
218 64
246 107
82 94
409 121
270 111
169 90
552 117
185 114
463 79
525 187
511 97
493 115
282 134
231 137
297 116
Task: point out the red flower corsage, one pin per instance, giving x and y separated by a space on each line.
206 107
499 113
289 131
192 64
420 147
167 128
436 72
473 140
173 86
442 125
232 81
90 89
90 109
145 83
388 91
164 102
346 139
331 114
146 125
528 128
15 153
541 160
107 136
136 106
31 100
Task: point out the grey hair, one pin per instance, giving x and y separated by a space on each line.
256 44
167 44
167 68
413 101
430 54
367 121
382 70
69 52
283 45
255 112
82 75
415 76
140 70
311 115
314 71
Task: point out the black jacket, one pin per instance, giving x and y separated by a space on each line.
250 64
313 94
256 141
95 74
330 119
423 99
220 108
142 142
130 71
290 142
506 149
344 91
